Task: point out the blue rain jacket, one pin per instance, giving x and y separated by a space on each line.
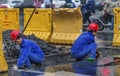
27 47
83 44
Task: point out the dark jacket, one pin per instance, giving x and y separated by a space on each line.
90 6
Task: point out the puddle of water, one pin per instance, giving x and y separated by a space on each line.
75 69
3 74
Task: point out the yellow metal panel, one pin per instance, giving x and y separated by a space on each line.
3 63
116 38
117 20
40 23
67 25
117 70
9 18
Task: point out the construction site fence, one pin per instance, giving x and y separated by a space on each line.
59 26
116 37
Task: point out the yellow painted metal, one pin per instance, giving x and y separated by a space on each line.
116 38
117 70
9 18
117 20
40 24
117 67
3 63
67 25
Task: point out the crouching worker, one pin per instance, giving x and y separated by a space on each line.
85 44
30 52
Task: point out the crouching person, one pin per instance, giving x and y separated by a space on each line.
30 52
85 44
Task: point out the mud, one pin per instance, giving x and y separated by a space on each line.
11 49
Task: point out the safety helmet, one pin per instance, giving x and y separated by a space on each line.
14 34
93 26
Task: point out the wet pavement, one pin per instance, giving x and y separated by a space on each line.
83 68
60 62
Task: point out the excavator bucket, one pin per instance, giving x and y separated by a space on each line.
40 23
67 25
3 63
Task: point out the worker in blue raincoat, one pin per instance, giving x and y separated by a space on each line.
68 4
85 44
30 52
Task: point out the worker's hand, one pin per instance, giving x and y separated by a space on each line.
15 67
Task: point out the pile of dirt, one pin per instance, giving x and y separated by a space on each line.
53 55
11 49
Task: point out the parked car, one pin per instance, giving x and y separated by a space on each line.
13 3
59 3
4 5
